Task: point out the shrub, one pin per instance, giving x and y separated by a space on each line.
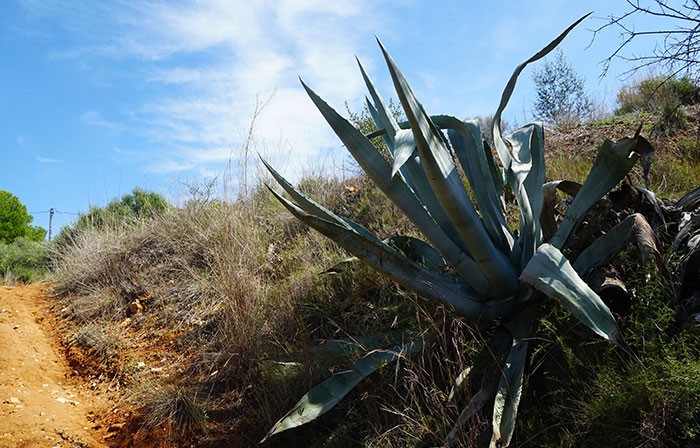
500 289
672 118
689 149
138 205
24 260
651 93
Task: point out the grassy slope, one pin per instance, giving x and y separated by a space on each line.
224 292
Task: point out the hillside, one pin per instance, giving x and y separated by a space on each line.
208 322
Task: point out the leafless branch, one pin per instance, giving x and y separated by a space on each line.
677 50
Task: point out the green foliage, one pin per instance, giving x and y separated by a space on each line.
24 259
14 220
470 261
139 204
662 96
689 149
635 407
136 205
561 94
651 93
364 123
578 395
673 118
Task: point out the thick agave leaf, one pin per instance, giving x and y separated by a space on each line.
655 202
551 273
386 259
505 408
550 200
612 164
418 251
312 207
404 150
633 227
384 116
326 395
468 146
445 180
406 159
526 176
501 146
508 397
690 201
397 144
401 194
413 172
497 173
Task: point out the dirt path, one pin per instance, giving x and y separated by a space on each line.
41 404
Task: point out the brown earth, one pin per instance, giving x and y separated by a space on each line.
43 403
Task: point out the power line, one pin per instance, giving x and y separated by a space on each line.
51 213
54 211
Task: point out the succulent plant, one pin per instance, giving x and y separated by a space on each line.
470 259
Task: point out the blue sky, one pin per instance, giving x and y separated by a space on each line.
98 97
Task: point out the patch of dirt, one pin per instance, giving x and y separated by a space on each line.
43 401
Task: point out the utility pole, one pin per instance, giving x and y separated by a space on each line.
51 212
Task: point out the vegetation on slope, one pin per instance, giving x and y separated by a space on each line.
212 317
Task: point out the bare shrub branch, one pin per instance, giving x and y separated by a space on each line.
677 51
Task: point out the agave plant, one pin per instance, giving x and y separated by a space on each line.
470 260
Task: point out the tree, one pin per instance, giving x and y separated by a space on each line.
139 204
136 205
561 97
676 41
14 220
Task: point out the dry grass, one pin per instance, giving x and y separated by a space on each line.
227 290
204 298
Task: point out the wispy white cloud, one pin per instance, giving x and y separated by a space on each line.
208 62
94 118
32 152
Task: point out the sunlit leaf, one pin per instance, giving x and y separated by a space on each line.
613 162
445 180
401 194
551 273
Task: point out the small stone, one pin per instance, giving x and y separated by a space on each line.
135 307
67 401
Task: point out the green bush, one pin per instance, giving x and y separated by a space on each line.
672 117
689 149
24 260
139 204
650 94
665 98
